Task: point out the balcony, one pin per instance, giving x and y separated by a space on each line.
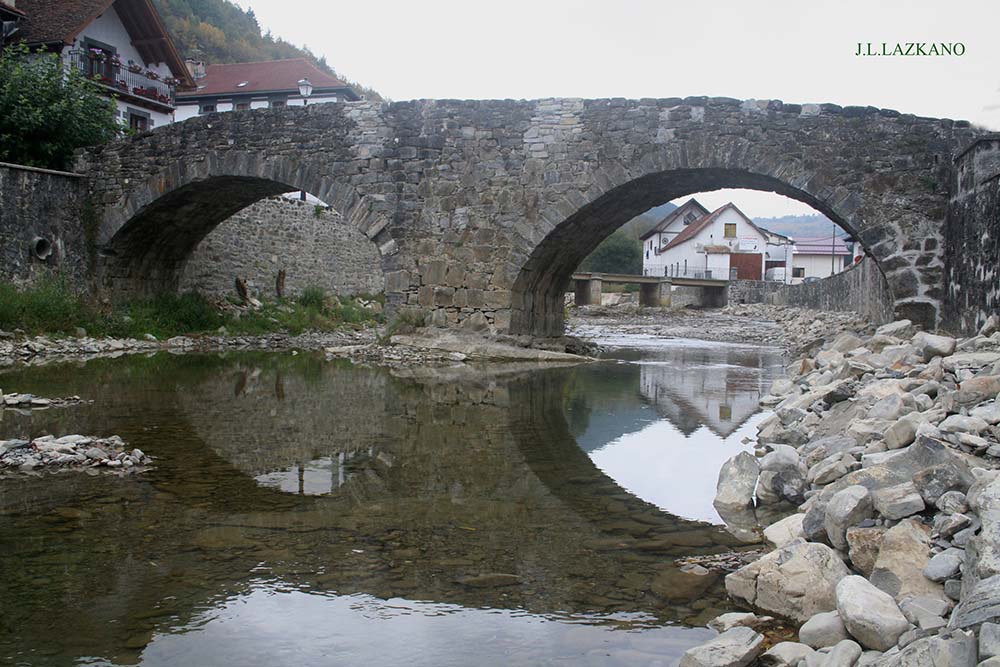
131 81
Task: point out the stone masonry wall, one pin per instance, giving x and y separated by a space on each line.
972 239
315 246
41 204
861 288
752 291
483 209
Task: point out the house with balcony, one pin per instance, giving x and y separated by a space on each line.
122 45
724 244
259 85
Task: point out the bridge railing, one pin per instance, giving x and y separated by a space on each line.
703 273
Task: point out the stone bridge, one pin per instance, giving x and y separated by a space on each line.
481 210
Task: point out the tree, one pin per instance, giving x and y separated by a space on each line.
47 111
619 253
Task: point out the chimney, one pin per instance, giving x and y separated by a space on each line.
196 68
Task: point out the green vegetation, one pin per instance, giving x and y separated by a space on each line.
47 111
619 253
51 307
406 322
217 31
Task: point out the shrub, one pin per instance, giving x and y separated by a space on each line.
47 111
313 297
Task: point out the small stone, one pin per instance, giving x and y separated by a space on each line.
944 565
898 502
952 502
785 531
785 654
863 547
823 629
844 654
96 453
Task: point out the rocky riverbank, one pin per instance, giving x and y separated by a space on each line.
46 349
760 324
71 452
885 448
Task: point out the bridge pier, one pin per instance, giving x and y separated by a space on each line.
588 292
655 295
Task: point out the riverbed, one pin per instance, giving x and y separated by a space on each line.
306 511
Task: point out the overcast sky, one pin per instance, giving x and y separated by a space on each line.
797 51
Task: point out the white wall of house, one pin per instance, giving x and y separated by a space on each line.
817 266
190 110
108 29
744 237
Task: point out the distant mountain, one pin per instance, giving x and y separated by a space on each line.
801 226
218 31
643 222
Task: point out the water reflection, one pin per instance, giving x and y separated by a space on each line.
465 489
663 424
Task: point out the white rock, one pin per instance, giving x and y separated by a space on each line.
848 507
823 629
734 648
796 581
785 654
737 480
869 614
785 531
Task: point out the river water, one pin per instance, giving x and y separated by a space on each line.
306 512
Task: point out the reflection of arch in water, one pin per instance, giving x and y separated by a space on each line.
543 437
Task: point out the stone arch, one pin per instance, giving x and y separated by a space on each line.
144 242
575 227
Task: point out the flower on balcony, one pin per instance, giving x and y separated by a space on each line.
150 74
135 69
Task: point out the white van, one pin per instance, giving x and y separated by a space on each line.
777 274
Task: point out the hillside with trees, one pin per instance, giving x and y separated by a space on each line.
218 31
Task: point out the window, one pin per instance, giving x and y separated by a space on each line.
139 121
207 108
730 232
798 272
277 104
242 106
689 218
725 413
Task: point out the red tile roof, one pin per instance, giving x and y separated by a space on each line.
670 217
692 230
265 76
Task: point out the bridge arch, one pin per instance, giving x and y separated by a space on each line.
151 222
898 230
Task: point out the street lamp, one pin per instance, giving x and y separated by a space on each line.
305 90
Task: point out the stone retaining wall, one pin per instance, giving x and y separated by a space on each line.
861 288
42 210
315 246
752 291
972 239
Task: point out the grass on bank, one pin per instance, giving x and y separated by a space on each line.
52 308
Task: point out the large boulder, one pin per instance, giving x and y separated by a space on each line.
737 480
846 508
980 599
785 654
796 581
869 614
737 647
899 569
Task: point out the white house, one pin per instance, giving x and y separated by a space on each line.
820 257
120 44
259 85
722 244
